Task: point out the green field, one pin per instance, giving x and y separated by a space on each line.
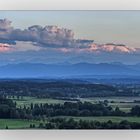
124 103
104 118
116 99
17 124
28 100
25 124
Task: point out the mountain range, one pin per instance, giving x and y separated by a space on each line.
67 70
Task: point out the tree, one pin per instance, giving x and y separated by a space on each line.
18 97
31 126
49 125
41 125
135 110
124 125
32 106
106 102
118 112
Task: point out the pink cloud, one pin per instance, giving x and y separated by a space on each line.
110 48
73 50
65 50
5 47
98 48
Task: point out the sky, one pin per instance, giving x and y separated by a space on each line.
78 36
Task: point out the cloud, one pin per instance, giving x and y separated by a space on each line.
44 36
5 25
22 46
110 47
99 48
5 47
58 39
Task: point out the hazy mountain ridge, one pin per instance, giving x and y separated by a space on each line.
67 70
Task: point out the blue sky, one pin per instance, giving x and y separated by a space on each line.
101 26
118 28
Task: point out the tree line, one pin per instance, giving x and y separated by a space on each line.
8 109
63 123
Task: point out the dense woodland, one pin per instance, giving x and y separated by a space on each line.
60 89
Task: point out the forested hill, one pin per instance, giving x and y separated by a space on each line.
57 89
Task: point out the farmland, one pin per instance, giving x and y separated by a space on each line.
16 123
25 124
26 101
29 104
124 103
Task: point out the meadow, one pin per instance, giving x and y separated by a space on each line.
25 124
26 101
17 123
124 103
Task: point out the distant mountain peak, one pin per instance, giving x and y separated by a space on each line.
30 70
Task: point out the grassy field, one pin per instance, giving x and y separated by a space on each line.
104 118
124 103
28 100
17 124
124 106
116 99
25 124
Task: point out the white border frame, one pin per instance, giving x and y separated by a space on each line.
69 134
69 5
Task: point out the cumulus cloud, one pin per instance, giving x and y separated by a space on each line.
45 36
100 48
5 25
22 46
110 47
37 37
